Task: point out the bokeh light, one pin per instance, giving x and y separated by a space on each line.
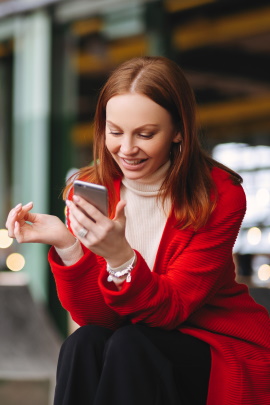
15 262
254 236
264 272
5 240
262 197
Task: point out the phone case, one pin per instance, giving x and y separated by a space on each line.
96 194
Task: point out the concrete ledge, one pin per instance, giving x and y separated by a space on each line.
29 348
25 392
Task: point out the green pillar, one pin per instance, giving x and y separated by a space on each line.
32 37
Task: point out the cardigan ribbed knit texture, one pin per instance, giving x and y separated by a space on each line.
191 288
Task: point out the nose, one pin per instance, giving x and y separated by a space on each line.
128 146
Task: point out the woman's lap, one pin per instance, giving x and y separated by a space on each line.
190 359
136 363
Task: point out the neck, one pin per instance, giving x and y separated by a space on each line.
151 182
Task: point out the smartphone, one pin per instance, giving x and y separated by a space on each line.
95 194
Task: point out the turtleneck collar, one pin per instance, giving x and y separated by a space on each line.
150 185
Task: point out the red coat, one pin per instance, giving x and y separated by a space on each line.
192 288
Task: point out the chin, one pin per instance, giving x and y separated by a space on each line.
133 176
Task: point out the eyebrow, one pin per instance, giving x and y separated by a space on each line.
136 129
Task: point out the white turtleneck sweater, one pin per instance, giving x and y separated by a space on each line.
145 218
145 215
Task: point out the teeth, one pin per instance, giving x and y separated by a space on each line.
133 162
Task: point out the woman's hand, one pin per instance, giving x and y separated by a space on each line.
104 237
26 227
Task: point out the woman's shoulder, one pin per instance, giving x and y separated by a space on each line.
230 192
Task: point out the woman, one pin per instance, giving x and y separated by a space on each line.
153 287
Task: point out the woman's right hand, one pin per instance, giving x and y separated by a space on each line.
27 227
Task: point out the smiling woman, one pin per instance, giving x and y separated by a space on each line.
163 320
139 134
164 89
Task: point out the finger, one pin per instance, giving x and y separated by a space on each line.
79 220
81 216
76 226
19 235
120 211
18 213
13 213
17 232
88 209
25 211
11 219
76 214
30 217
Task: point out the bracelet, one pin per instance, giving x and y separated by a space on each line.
121 273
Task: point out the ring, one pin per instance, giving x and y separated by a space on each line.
82 233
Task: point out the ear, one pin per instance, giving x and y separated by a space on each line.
177 138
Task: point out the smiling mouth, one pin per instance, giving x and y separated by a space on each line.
134 162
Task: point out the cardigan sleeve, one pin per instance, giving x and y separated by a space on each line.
78 290
191 267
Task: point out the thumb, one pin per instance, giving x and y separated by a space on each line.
120 211
30 217
18 232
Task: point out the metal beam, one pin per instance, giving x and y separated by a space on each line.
172 6
118 51
206 32
13 7
74 10
242 110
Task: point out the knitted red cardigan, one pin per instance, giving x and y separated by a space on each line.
192 288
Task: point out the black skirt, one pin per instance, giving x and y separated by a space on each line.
135 365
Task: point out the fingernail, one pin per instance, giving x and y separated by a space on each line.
76 198
18 205
31 202
68 202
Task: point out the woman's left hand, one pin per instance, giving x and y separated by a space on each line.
104 237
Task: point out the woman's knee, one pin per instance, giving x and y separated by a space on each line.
88 335
125 341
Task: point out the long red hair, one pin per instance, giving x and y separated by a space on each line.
188 182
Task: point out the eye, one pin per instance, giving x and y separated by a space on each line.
115 133
146 136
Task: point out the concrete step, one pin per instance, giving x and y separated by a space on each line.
29 346
25 392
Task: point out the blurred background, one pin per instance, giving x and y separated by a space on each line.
54 57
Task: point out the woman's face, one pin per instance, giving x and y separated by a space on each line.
139 134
